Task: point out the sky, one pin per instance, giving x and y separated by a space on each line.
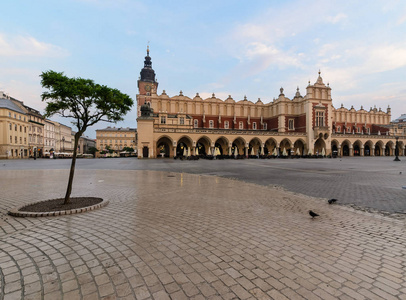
227 47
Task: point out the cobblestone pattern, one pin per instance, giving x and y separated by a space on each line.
183 236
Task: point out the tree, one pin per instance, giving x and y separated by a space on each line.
128 149
83 101
93 150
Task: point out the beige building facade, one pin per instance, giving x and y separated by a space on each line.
301 125
13 129
116 138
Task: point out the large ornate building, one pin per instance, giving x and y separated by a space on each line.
309 124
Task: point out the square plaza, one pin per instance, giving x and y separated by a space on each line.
221 229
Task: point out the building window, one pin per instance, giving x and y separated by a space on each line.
11 127
11 139
349 129
319 118
21 140
358 130
265 126
21 128
15 138
226 124
211 124
369 130
338 128
182 121
254 125
15 127
163 119
195 123
240 125
9 114
25 140
291 124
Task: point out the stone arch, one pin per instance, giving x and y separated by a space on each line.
222 145
239 143
357 148
203 145
346 148
378 149
270 146
369 148
164 146
389 148
254 146
183 146
285 146
320 147
299 147
335 147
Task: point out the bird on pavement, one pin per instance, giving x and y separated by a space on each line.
331 201
313 214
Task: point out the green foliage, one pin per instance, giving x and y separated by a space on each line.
109 150
83 100
128 149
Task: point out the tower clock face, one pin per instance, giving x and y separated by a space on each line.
148 88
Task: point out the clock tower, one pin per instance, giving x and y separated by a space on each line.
147 85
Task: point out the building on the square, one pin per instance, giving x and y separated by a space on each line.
35 132
301 125
84 143
13 129
49 136
116 138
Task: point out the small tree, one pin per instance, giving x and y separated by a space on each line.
83 101
128 149
93 150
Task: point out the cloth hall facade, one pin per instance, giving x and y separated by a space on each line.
304 125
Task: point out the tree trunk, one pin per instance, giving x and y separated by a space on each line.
72 168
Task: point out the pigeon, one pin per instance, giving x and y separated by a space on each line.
313 214
331 201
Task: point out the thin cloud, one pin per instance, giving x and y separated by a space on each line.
28 46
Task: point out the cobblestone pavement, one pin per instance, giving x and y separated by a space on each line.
184 236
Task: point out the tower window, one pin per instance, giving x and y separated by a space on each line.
319 118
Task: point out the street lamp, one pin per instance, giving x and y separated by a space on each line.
397 149
63 144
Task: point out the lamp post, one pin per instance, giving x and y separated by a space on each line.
63 144
397 149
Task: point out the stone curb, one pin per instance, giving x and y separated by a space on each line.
15 212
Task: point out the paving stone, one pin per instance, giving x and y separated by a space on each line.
231 240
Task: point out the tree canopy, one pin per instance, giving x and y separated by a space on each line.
83 100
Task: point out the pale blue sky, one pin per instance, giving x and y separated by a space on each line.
227 47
